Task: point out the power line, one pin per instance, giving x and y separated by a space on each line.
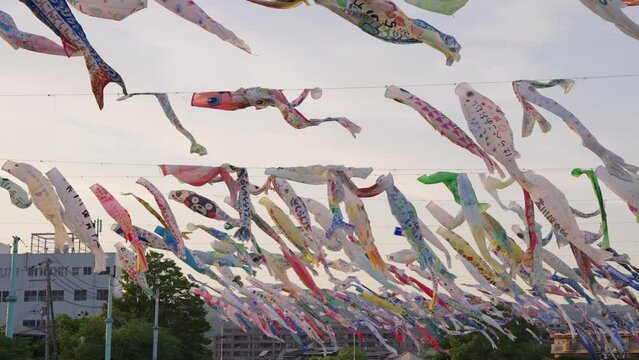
348 88
140 164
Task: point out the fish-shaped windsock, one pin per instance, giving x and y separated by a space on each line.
190 11
244 206
201 175
129 263
43 196
406 215
294 203
405 256
186 9
358 217
109 9
10 33
323 217
261 98
203 206
552 203
59 18
446 7
19 197
165 103
627 191
384 20
464 249
172 243
594 181
121 216
148 238
526 91
291 232
77 218
470 208
442 124
488 124
167 214
611 11
342 265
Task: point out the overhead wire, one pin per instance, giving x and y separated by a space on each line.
348 88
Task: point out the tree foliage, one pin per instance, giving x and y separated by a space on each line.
183 321
180 310
344 354
80 338
476 347
16 348
135 341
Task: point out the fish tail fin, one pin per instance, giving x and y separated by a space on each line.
424 260
100 261
141 265
61 237
198 149
532 117
244 234
376 259
68 47
353 128
339 224
148 292
101 75
567 84
492 165
635 211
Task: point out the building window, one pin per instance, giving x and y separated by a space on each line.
86 271
75 271
102 295
57 295
106 271
80 295
30 295
35 271
33 323
3 296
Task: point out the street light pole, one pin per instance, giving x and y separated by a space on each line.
156 326
12 298
50 309
109 319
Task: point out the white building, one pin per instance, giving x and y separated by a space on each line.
75 287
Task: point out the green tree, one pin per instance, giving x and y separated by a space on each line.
80 338
344 354
135 341
180 310
347 354
83 338
16 348
476 347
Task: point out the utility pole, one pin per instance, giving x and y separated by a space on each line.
156 326
109 319
51 312
222 341
12 298
46 330
354 335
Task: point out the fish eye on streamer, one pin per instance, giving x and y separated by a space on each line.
216 100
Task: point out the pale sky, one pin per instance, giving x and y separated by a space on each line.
155 50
